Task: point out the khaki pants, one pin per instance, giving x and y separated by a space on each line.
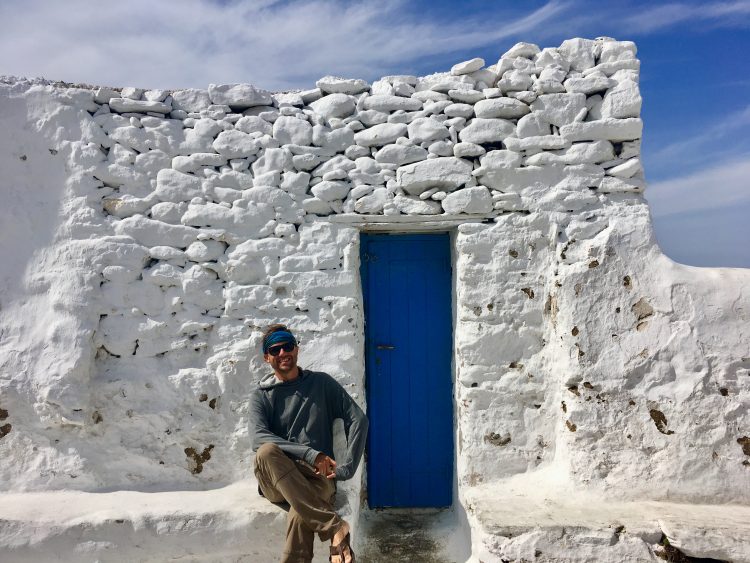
310 497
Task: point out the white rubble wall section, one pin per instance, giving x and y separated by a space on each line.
149 236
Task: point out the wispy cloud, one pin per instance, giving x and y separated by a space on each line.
731 14
719 141
723 185
273 44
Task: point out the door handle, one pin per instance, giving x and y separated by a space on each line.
385 347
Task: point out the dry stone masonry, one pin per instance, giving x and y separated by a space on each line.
154 233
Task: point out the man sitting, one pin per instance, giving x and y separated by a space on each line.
293 410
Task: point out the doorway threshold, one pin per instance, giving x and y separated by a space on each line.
412 535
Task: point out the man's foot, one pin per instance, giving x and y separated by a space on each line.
341 551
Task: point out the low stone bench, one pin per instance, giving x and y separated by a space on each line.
228 524
528 523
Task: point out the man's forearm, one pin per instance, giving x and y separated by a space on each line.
292 449
356 439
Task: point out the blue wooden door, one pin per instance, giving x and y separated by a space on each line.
406 282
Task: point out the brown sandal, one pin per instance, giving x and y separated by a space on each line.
340 549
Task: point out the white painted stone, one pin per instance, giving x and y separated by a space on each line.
238 220
441 148
444 82
292 130
614 185
611 68
551 56
532 125
273 160
425 129
334 105
515 81
507 108
154 233
559 109
462 150
466 96
386 103
236 144
317 206
445 173
579 52
624 100
480 131
195 161
627 169
468 200
336 85
329 191
411 205
459 110
613 51
253 124
605 129
590 84
380 135
372 203
336 140
175 186
522 49
239 96
467 67
400 154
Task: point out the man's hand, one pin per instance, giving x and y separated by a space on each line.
325 466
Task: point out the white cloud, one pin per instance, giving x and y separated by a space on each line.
273 44
724 185
724 14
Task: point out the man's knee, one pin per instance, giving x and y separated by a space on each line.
268 451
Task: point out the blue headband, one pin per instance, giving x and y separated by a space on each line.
278 337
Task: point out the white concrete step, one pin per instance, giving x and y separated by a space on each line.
228 524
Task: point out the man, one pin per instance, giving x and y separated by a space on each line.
293 411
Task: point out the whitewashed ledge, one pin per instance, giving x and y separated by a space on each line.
509 520
229 524
525 519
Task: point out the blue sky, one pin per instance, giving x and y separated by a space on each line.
695 74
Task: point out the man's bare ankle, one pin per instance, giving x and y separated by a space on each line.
340 533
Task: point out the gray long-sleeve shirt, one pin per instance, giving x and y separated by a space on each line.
298 417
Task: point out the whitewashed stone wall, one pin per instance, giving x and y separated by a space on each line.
153 234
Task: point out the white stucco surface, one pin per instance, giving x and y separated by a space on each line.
146 238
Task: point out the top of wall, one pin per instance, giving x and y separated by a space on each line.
477 140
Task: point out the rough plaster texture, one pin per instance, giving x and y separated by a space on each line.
147 237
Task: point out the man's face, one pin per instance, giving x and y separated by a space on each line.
283 364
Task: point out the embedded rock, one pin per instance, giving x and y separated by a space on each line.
467 67
335 85
507 108
445 173
468 200
380 135
485 131
239 96
416 206
334 105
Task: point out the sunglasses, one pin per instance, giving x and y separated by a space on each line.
286 346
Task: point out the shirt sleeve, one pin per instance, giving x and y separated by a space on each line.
355 428
262 434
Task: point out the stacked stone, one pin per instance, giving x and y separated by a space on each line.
448 143
212 185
